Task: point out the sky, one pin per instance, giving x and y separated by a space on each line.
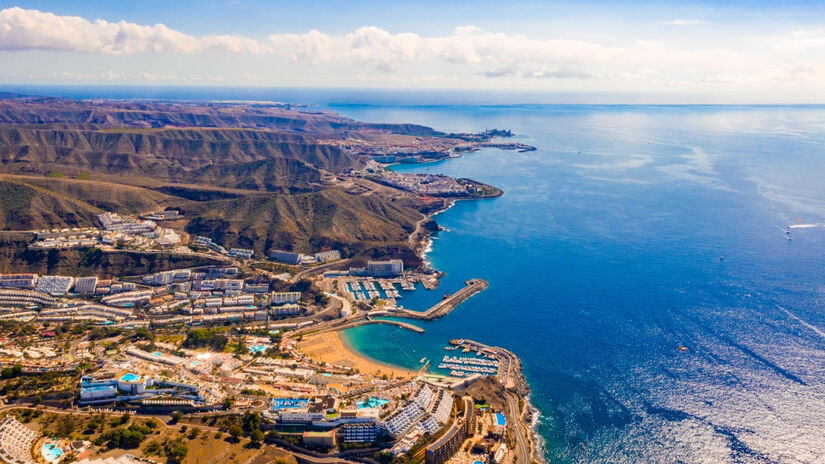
739 52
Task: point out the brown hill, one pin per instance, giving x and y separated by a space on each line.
372 224
330 218
252 175
27 207
275 161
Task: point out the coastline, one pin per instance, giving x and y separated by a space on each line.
528 415
333 348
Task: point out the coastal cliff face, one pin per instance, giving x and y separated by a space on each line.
254 176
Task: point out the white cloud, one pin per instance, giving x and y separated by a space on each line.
466 54
801 40
36 30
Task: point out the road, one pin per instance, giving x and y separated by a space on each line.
316 269
514 416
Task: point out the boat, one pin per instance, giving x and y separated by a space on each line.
465 350
721 258
682 348
422 360
446 295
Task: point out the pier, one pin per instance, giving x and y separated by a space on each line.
520 147
444 307
355 321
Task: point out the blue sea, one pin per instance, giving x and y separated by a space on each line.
604 256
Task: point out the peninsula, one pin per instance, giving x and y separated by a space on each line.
196 263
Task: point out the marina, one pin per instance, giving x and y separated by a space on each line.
368 288
469 368
470 361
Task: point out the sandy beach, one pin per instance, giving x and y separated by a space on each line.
329 347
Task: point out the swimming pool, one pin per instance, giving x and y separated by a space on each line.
98 387
257 348
51 452
129 377
289 403
157 353
500 419
372 402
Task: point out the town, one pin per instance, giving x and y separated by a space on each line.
190 346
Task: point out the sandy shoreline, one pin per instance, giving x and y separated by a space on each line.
331 347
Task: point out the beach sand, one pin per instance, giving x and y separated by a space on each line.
329 347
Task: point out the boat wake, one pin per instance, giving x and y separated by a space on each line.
807 226
793 316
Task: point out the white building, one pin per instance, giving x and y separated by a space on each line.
85 284
285 297
442 406
285 257
402 419
285 310
26 281
393 267
422 395
242 253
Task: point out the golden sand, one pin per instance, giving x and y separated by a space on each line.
330 348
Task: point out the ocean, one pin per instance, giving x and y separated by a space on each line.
631 231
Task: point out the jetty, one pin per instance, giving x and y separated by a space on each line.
520 147
519 411
445 306
357 321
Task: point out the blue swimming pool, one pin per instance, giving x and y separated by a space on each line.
129 377
257 348
98 387
51 452
500 419
289 403
156 353
372 402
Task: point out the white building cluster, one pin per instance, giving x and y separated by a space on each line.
89 312
427 410
54 285
209 243
127 226
289 257
16 441
15 297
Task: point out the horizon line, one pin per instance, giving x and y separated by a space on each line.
684 100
